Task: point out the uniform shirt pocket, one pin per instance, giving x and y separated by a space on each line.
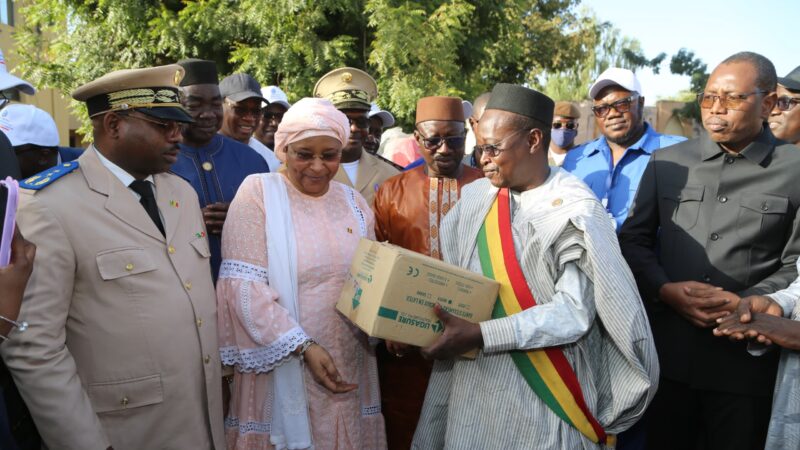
126 266
762 217
682 205
126 394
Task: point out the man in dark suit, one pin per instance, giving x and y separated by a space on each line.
715 218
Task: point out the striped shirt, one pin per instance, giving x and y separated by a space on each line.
572 263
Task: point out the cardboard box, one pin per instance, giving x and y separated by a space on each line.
391 291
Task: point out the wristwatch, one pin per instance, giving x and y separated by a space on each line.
308 343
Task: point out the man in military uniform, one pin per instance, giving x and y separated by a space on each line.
352 92
121 350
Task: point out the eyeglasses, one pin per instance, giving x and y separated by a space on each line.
305 156
361 122
786 103
621 106
167 126
726 101
242 111
434 142
568 125
494 150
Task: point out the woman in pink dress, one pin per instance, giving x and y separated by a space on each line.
304 376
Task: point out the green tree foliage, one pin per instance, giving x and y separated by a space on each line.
413 49
685 63
604 46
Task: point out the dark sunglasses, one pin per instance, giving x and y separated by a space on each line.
243 111
434 142
168 126
568 125
726 101
786 103
621 106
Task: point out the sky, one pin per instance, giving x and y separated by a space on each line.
713 29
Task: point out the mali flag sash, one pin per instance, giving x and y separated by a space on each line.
547 370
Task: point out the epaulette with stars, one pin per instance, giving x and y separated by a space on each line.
47 177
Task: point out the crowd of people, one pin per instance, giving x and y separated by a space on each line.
173 285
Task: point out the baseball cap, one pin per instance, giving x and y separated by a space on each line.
386 117
274 94
8 81
27 124
240 86
615 76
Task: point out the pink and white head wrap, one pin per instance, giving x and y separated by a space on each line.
307 118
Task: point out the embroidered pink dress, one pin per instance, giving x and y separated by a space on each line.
257 334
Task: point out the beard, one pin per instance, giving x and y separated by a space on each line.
629 137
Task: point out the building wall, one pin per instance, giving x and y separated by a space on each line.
50 100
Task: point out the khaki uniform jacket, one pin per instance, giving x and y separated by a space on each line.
122 345
372 172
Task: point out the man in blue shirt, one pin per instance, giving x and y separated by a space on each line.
612 165
213 164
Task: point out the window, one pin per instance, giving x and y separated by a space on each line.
7 12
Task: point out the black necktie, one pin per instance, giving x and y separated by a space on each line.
148 201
